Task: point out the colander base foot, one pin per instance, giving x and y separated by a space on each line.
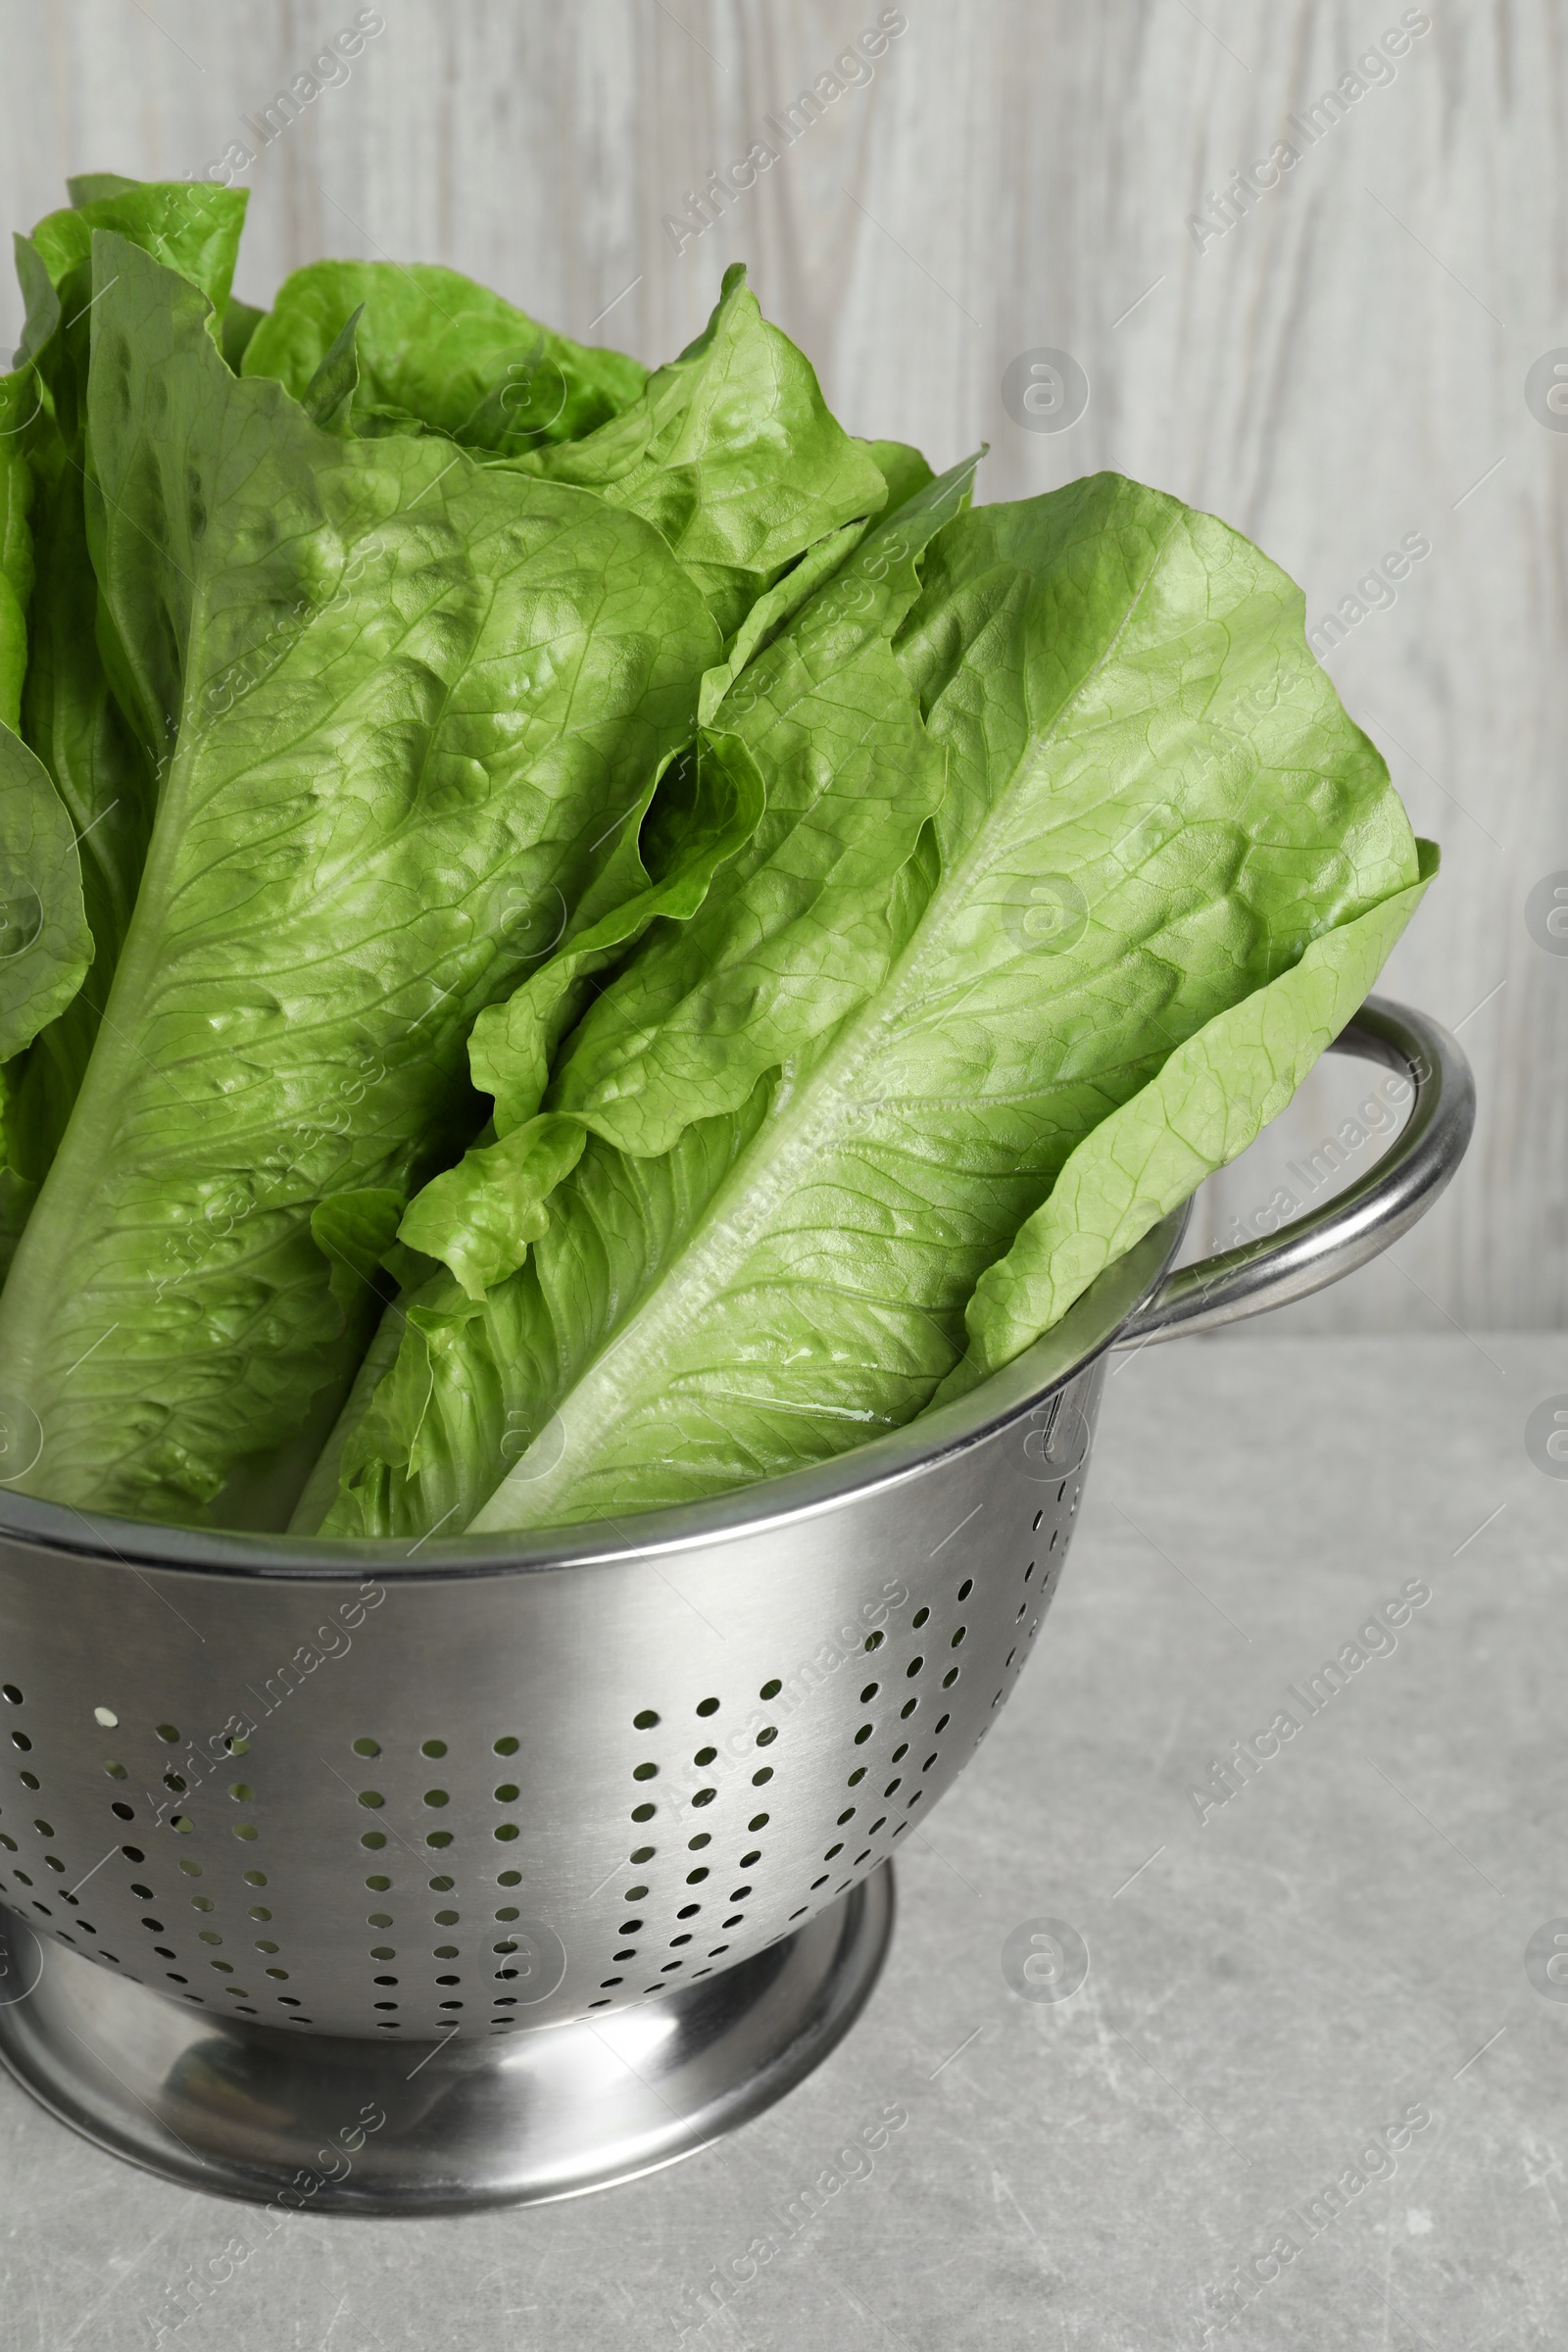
308 2122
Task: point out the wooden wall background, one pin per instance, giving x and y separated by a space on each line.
1345 366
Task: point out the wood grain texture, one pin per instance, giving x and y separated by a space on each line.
1342 368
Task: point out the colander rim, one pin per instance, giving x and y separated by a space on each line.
1021 1389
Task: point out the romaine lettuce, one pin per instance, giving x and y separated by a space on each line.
717 938
1162 872
401 703
434 346
68 716
732 453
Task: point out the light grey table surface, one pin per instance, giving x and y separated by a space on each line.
1341 1942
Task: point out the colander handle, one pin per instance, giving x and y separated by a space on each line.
1317 1249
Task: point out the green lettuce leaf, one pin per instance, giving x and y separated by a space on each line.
105 779
681 432
1155 806
68 714
732 453
903 468
44 942
905 472
445 352
240 322
354 1231
1216 1093
710 808
18 402
482 1215
776 607
730 450
405 699
21 403
771 939
453 1392
17 1192
806 913
88 187
800 928
186 224
43 313
328 396
45 947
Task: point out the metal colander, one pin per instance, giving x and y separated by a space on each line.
278 1820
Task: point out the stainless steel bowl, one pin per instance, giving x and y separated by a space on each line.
399 1879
